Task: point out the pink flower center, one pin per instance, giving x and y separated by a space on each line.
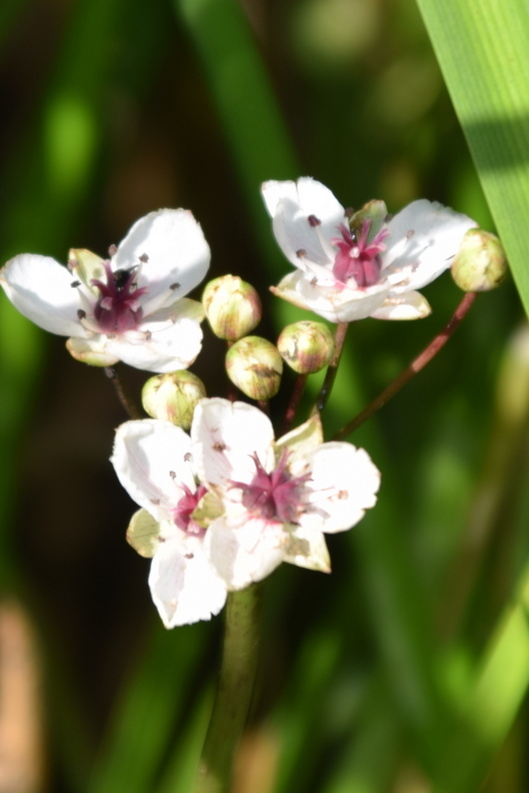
185 508
118 308
274 496
357 258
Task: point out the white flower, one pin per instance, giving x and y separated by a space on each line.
345 276
224 507
153 462
128 308
278 497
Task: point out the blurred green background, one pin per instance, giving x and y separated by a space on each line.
405 670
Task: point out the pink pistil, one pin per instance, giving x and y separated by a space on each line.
357 258
117 308
185 508
274 496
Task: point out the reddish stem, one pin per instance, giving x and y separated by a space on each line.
330 376
415 366
130 408
295 398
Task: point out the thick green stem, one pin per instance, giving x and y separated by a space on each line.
234 691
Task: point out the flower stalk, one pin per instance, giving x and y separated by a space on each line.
295 399
234 690
332 370
414 368
132 411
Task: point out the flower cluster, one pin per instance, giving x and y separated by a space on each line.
223 506
222 503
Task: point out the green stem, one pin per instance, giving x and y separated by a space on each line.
234 691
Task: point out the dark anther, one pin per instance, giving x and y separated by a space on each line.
409 234
188 457
190 555
148 335
112 250
314 221
172 474
174 286
154 501
81 314
75 284
144 258
349 212
121 277
301 253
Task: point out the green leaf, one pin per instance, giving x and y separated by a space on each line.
493 704
481 46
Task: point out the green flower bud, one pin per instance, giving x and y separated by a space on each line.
480 264
255 366
306 346
375 212
173 397
232 306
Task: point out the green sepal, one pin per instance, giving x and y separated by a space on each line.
302 440
87 266
143 534
376 212
208 508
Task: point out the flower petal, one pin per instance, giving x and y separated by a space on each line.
176 309
246 551
177 251
411 305
312 197
225 435
151 460
305 216
41 289
92 351
185 588
336 304
342 486
159 347
424 236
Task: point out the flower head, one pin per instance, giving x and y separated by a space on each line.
224 507
130 307
153 461
368 266
279 497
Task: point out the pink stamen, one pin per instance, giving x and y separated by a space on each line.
274 496
118 308
185 508
357 258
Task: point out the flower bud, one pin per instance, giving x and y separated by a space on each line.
306 346
255 366
480 263
173 397
375 212
232 306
